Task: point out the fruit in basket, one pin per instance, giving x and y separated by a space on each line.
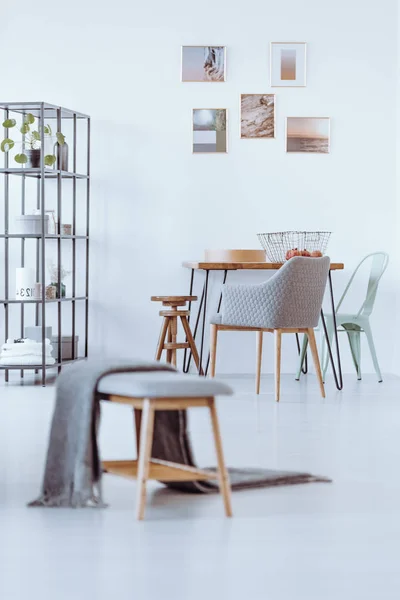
316 253
305 253
291 253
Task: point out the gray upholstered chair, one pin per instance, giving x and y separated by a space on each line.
289 302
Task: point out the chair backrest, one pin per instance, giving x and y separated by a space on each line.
379 262
299 288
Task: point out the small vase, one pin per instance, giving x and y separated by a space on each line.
61 152
33 156
63 289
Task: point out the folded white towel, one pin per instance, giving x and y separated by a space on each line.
25 352
23 344
25 360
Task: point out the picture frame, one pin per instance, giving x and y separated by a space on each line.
308 135
203 64
288 64
257 116
209 130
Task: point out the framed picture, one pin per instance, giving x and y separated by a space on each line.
308 134
288 64
257 116
203 63
209 130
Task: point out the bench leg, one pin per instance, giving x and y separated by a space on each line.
146 443
223 476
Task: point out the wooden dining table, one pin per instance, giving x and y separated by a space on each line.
226 267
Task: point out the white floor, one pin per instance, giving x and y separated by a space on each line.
319 541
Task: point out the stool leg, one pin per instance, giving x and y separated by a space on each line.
169 338
223 476
192 344
174 333
161 340
146 443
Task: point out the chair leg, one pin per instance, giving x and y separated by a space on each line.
355 347
161 339
146 443
213 348
223 475
368 333
314 352
259 359
278 351
192 344
302 357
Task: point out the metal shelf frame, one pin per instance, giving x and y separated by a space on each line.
44 111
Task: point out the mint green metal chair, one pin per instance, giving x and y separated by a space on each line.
354 323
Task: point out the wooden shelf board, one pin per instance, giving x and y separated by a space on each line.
159 470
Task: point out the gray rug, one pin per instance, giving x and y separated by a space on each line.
172 443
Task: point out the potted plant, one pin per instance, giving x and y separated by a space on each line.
53 270
31 151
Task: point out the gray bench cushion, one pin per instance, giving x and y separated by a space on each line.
161 384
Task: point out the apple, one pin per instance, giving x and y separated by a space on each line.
291 253
316 254
305 253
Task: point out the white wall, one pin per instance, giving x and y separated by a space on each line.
154 204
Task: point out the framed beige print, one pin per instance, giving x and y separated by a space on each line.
257 116
203 63
288 64
209 131
308 135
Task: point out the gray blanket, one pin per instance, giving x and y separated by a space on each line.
73 468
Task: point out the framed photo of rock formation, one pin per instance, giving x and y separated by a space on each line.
209 130
203 63
288 64
257 116
308 134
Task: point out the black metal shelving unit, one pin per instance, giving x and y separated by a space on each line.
45 113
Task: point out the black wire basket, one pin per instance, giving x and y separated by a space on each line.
282 245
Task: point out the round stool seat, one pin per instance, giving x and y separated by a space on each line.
173 298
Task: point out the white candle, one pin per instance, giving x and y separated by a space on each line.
25 283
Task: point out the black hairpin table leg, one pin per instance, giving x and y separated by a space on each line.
187 367
204 319
219 308
184 369
336 373
304 369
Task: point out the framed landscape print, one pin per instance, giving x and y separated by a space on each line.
288 64
203 63
308 134
209 130
257 116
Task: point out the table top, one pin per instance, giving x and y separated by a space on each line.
248 266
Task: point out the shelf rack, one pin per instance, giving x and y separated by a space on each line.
44 112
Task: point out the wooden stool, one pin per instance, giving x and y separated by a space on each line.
129 389
169 329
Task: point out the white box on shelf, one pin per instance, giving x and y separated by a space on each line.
31 224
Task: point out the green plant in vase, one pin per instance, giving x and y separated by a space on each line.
31 143
53 270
